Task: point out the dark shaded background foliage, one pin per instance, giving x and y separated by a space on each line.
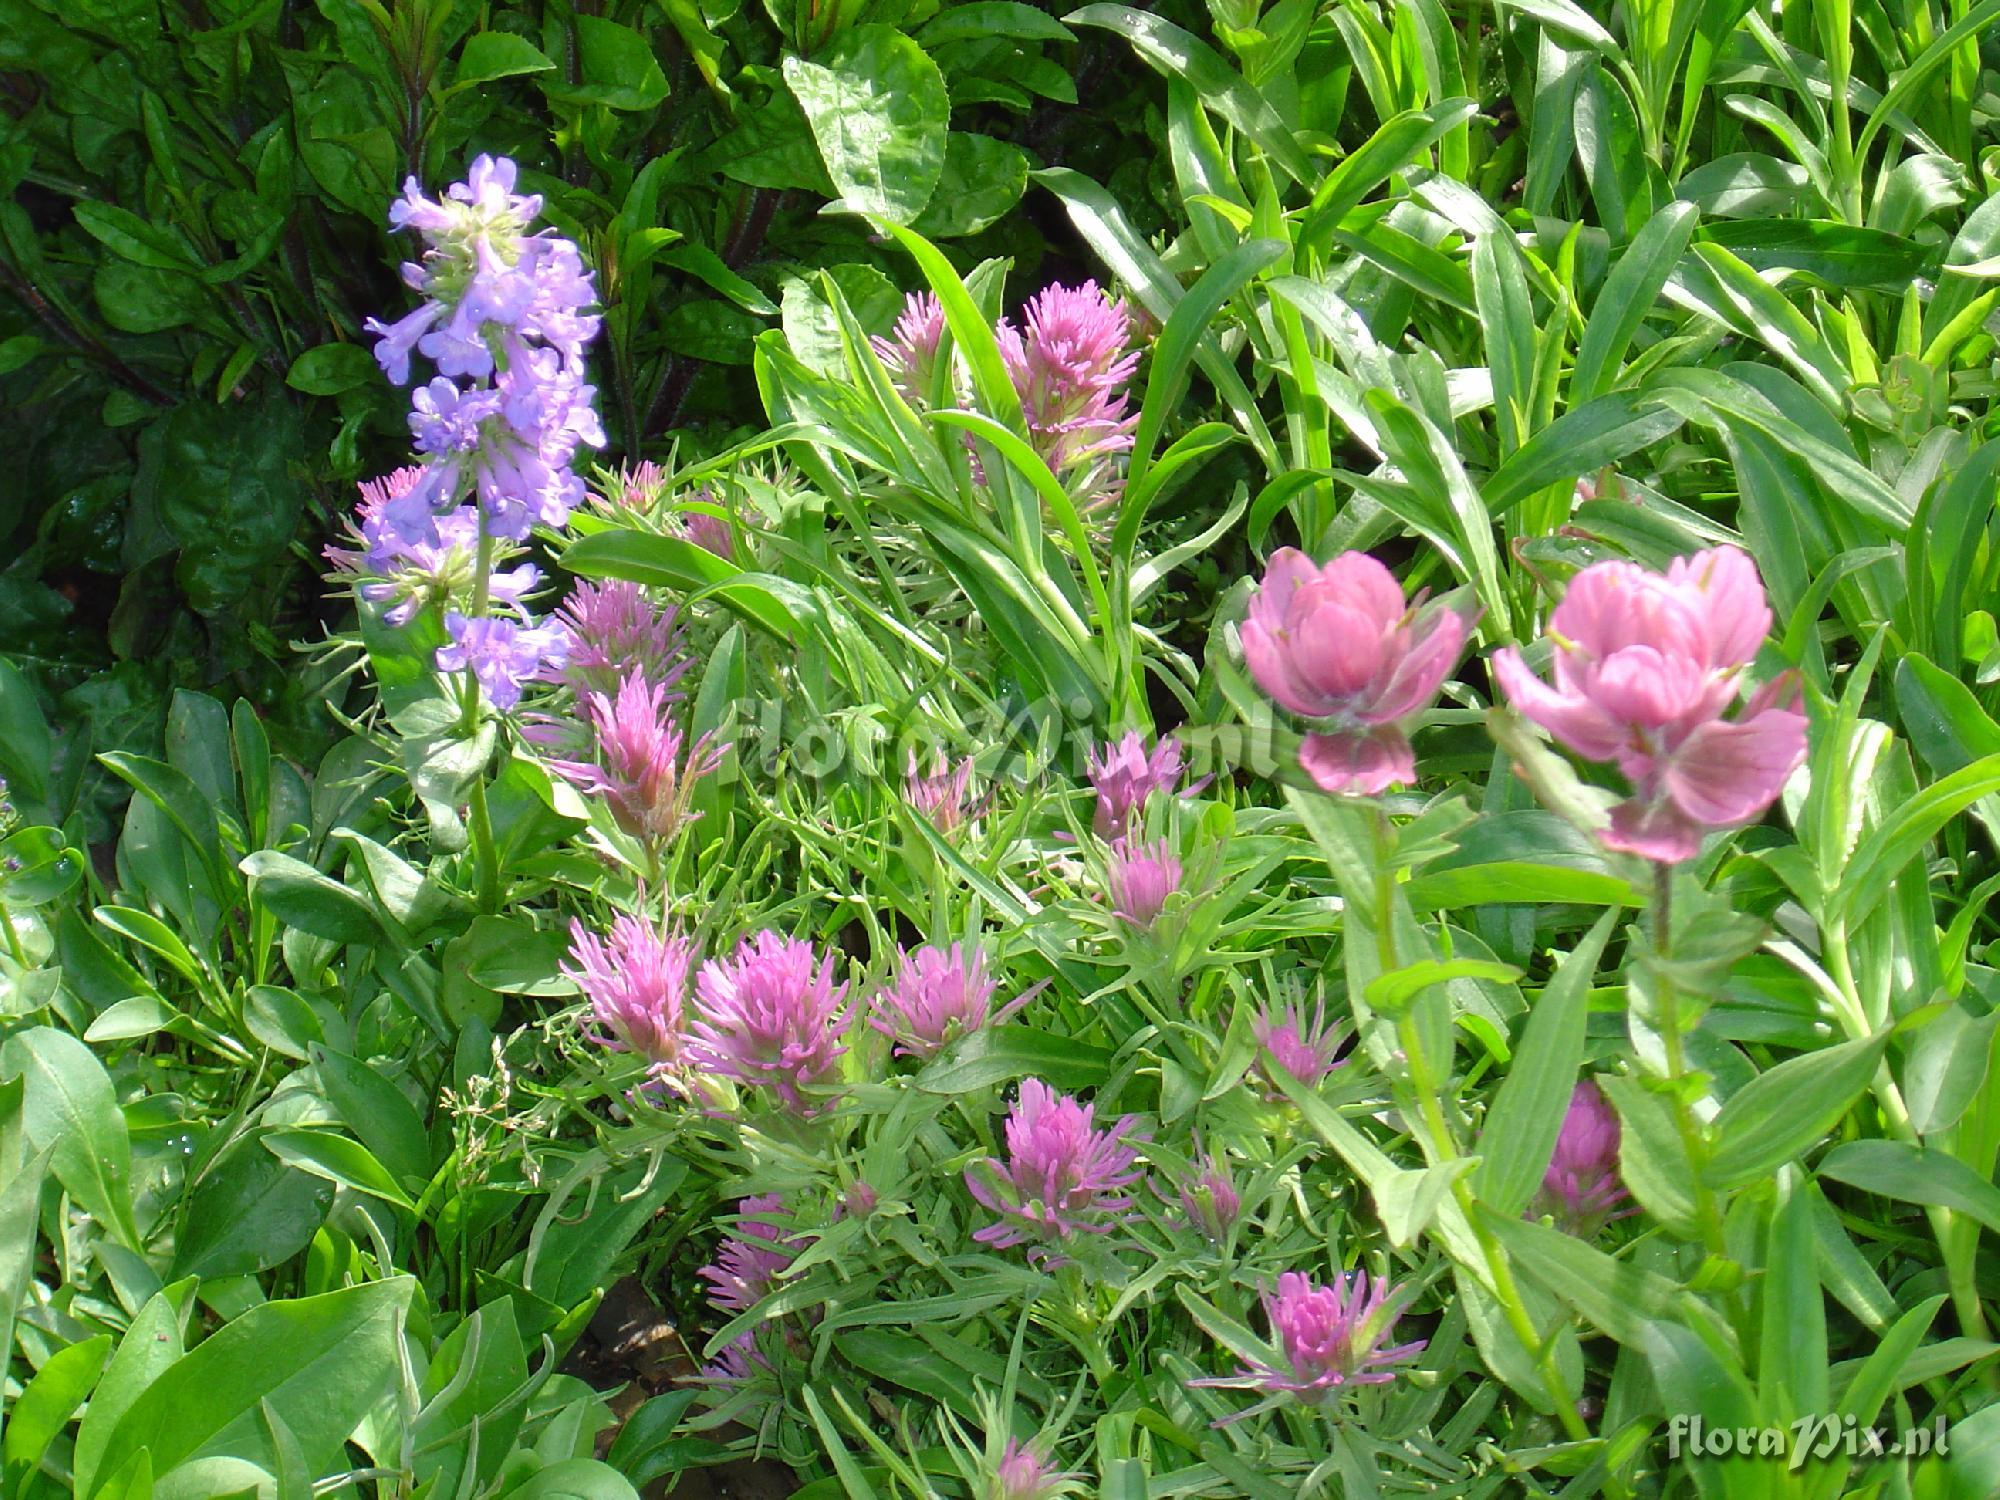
193 232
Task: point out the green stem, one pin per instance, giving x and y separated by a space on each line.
1707 1214
14 949
486 858
1439 1147
1960 1279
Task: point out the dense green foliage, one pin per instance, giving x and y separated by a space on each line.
315 1175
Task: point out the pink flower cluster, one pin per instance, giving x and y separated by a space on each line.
1062 1176
769 1016
1304 1049
937 996
1339 644
1124 774
1070 360
1647 667
643 769
1581 1189
1326 1338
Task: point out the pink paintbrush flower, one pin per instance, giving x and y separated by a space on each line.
643 769
1124 774
937 996
943 796
1062 1176
636 979
1646 666
1139 878
911 350
770 1016
1580 1189
1341 645
750 1259
1070 362
1025 1473
1306 1050
1326 1338
615 631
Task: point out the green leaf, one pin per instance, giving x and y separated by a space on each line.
299 896
124 233
1629 294
1841 255
150 1346
1903 835
982 179
1581 441
37 866
575 1243
346 1163
248 1213
321 1362
1519 1133
644 557
329 369
574 1479
379 1113
1615 1295
498 54
25 746
1913 1174
1000 1054
1180 54
1779 1114
225 490
1947 727
618 66
878 110
1392 990
46 1404
71 1111
474 1386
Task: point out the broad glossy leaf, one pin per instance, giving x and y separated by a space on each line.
878 109
71 1111
320 1362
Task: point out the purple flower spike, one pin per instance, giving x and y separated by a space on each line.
1340 644
750 1260
1124 775
1581 1189
1326 1337
1062 1176
770 1018
937 996
637 979
614 629
501 654
1069 364
408 574
643 770
1140 878
1306 1051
